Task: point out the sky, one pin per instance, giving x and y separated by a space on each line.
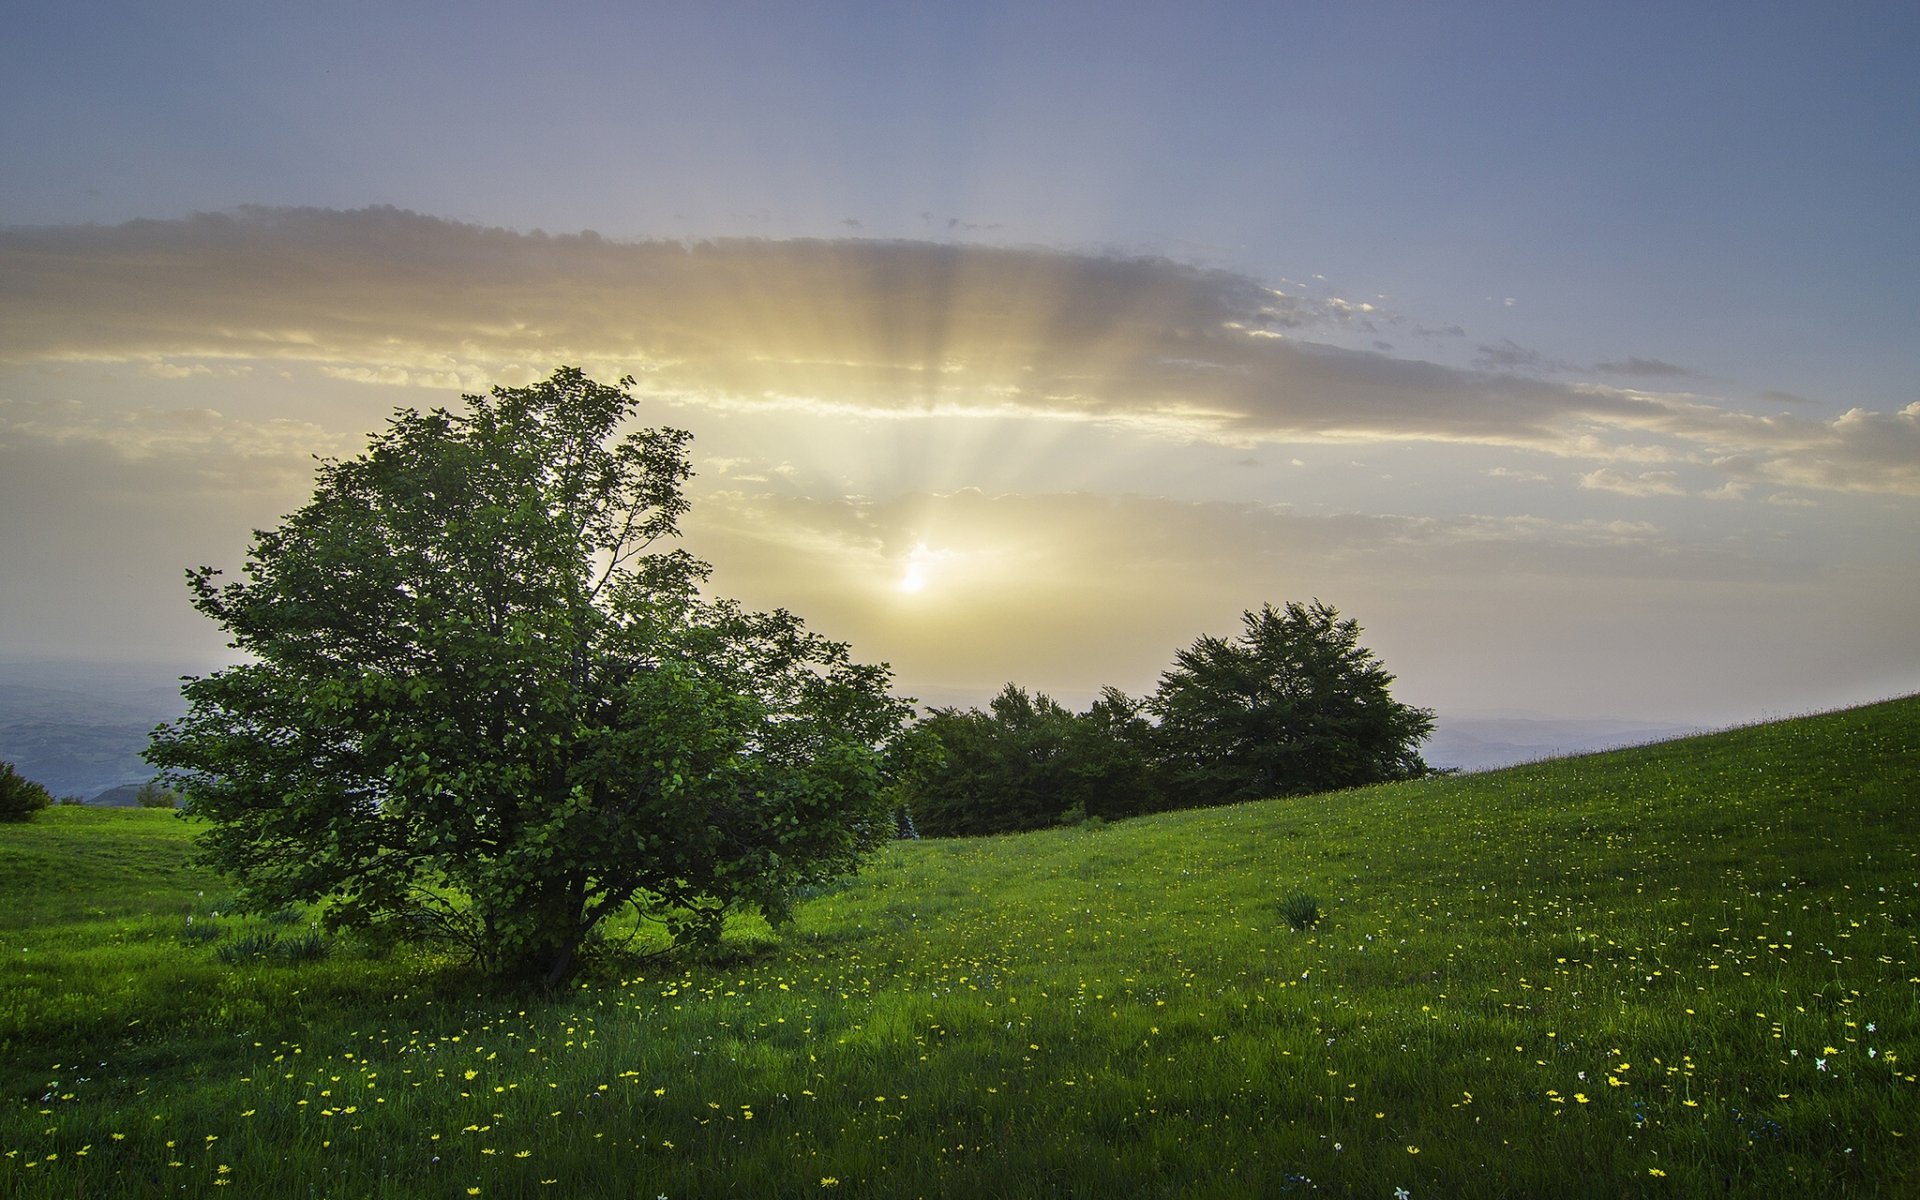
1572 350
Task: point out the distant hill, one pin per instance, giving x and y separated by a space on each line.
78 729
1483 743
126 795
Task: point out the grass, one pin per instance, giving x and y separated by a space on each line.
1682 969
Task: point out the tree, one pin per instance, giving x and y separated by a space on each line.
1293 705
485 705
20 797
153 795
1027 762
1112 761
999 771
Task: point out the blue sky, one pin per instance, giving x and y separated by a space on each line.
1571 349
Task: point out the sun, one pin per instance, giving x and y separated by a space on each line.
918 571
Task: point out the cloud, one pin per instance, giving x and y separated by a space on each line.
1510 473
874 329
1646 368
1508 356
1631 483
171 449
167 370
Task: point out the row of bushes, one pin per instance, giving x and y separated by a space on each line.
1294 705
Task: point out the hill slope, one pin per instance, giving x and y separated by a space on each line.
1686 968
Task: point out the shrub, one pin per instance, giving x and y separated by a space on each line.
152 795
246 948
20 797
1300 910
310 946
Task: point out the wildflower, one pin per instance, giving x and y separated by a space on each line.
829 1181
1656 1172
1820 1063
1413 1149
1401 1193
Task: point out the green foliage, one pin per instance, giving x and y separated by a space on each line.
1294 705
1028 763
484 705
309 946
1300 910
20 798
153 794
247 947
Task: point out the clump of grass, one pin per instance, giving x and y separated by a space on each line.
1300 910
311 946
246 947
197 932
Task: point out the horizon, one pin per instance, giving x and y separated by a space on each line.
1571 354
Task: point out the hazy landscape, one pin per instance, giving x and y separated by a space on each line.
1390 529
79 728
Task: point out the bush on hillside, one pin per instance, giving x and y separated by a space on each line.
1029 763
1292 706
153 795
20 797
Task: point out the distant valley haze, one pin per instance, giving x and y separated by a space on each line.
1574 353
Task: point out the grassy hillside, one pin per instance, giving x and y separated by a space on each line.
1685 969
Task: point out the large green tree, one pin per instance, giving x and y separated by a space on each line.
1295 704
484 703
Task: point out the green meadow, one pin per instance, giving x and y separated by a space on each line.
1683 969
